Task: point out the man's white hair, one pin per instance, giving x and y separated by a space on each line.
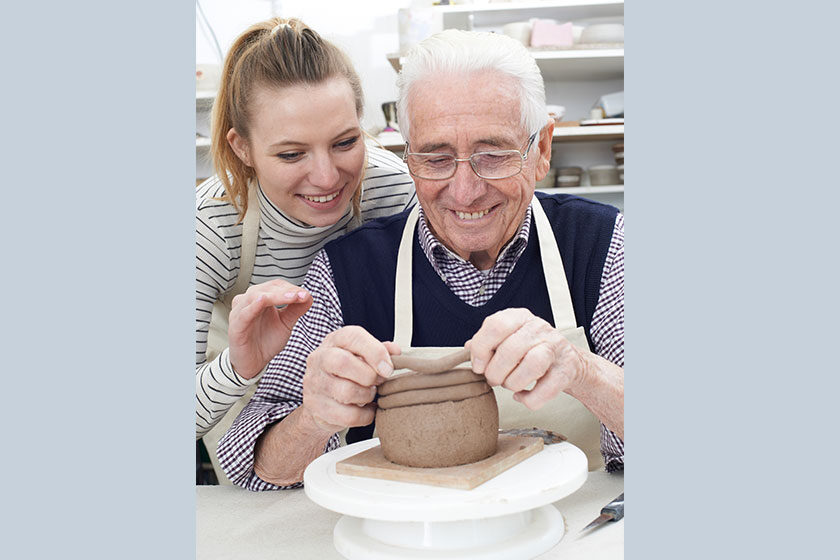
457 52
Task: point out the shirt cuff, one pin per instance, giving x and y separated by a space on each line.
224 358
256 484
612 448
236 448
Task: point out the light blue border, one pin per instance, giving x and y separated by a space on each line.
98 206
732 202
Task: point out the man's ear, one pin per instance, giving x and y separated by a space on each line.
543 154
239 146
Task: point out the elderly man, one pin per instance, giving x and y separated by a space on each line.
532 286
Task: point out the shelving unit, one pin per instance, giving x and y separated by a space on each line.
574 77
568 9
572 64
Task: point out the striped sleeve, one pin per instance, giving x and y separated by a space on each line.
281 389
608 331
217 386
388 187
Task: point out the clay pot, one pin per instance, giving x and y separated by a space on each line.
437 420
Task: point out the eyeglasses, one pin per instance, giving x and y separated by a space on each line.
498 164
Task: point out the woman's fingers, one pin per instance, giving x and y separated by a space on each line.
249 306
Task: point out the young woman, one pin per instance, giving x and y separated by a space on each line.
293 171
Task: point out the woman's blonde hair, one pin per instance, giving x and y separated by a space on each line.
274 53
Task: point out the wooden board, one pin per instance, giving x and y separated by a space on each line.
511 450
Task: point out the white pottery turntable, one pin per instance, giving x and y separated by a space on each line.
509 516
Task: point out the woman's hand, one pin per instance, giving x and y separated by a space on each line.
258 331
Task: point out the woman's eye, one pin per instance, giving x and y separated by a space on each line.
290 156
347 144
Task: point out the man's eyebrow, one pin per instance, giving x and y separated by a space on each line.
495 141
431 148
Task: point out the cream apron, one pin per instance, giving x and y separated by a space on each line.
217 335
564 414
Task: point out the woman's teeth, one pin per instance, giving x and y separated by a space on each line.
471 215
320 198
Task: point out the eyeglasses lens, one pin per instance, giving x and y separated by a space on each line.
487 165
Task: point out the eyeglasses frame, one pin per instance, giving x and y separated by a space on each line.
523 159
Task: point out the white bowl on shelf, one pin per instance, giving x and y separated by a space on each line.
600 175
603 33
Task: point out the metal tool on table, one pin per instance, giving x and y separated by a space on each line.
547 436
613 511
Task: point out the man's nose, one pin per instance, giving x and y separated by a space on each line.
323 171
465 186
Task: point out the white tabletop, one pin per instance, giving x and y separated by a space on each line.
235 523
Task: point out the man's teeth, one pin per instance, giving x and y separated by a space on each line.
320 198
471 215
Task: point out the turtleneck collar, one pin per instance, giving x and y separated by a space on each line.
280 225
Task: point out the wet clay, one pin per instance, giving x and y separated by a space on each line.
437 420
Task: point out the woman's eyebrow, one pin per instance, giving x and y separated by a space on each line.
347 131
284 142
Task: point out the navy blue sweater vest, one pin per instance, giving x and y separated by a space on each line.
364 267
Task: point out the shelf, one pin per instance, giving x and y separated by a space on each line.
589 8
394 142
204 99
567 64
574 64
489 17
583 133
605 189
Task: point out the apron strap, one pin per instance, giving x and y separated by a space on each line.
555 273
248 252
403 311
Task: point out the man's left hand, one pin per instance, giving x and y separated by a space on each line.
515 349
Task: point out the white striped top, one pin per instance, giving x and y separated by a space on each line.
285 249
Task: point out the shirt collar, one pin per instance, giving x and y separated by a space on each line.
437 253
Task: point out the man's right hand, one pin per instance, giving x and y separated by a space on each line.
341 378
258 331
